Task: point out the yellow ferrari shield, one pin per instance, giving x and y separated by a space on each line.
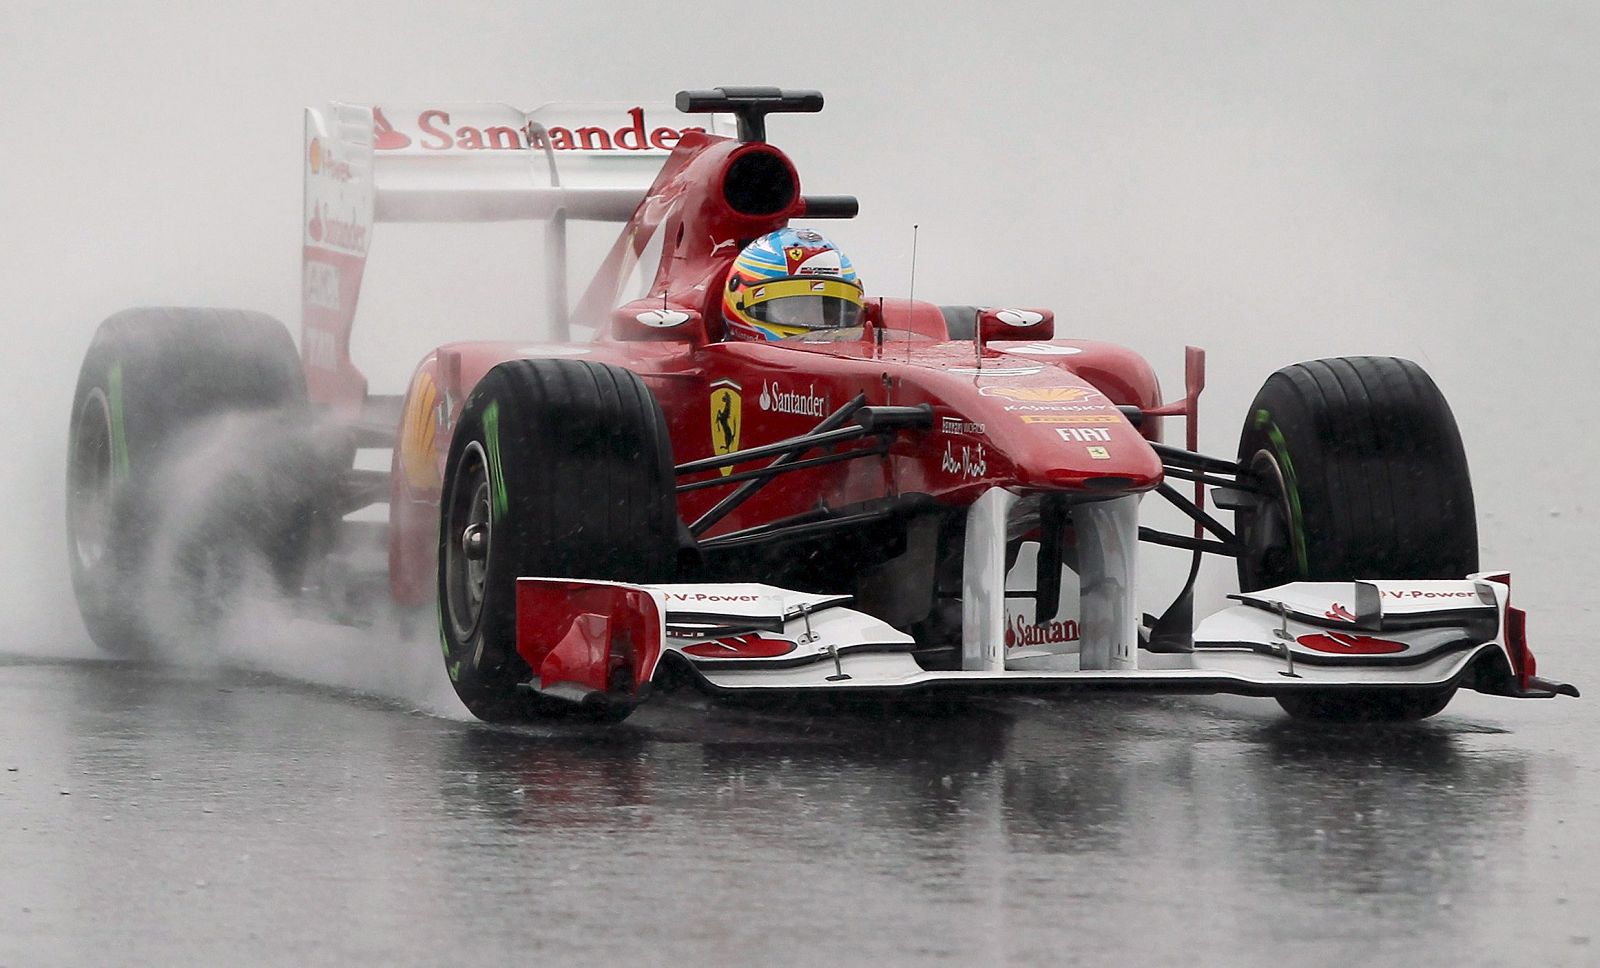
727 419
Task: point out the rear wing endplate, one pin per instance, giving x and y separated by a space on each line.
484 162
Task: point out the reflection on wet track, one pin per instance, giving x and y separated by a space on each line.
161 815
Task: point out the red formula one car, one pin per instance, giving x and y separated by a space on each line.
893 497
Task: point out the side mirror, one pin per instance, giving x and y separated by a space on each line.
1010 324
645 319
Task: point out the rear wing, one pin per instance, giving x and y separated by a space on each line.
367 164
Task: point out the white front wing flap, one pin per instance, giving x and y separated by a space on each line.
755 638
760 638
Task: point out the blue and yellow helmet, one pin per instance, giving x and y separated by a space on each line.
787 283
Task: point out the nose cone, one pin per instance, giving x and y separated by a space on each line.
1069 437
1110 456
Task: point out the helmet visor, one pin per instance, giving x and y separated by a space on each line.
809 312
807 303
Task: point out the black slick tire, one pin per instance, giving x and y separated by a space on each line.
1364 477
557 468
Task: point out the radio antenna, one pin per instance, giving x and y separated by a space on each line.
911 290
877 331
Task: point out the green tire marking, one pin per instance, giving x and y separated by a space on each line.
1297 528
119 436
497 478
455 672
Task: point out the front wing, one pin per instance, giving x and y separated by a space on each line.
760 639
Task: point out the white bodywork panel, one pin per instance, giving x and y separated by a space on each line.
983 613
1108 544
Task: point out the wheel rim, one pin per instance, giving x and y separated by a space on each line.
1267 532
468 538
92 485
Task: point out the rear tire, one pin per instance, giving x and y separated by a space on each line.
150 380
558 468
1366 478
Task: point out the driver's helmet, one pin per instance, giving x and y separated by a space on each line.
787 283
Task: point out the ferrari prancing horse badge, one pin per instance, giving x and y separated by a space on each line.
727 419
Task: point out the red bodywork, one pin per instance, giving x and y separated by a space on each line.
602 632
1046 421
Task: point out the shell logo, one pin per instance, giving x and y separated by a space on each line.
1040 394
418 431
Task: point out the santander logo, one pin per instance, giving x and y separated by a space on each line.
334 232
435 129
805 403
1020 634
384 136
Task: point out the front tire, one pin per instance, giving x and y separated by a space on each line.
558 468
1364 476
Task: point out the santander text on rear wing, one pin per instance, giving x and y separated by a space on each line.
481 162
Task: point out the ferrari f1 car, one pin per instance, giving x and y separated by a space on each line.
919 498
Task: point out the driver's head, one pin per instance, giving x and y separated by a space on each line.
787 283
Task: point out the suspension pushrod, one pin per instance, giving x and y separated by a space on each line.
1183 473
768 532
721 509
1200 517
1187 543
798 465
1190 459
803 442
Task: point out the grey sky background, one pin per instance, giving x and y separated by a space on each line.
1272 181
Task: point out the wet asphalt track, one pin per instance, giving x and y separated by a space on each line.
178 816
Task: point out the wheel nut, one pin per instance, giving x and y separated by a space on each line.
475 542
